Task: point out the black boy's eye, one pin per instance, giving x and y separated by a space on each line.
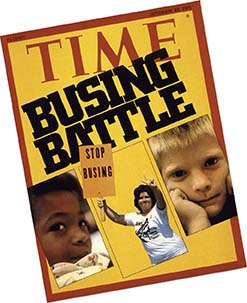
211 161
57 227
84 224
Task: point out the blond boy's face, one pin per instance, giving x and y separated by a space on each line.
200 171
61 227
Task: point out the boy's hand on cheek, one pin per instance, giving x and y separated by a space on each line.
193 217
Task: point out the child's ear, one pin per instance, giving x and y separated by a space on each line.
229 184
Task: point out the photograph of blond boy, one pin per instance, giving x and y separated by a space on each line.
196 174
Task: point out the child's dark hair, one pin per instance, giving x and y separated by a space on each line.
140 189
63 182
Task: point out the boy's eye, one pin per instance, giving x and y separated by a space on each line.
57 227
211 162
179 173
84 224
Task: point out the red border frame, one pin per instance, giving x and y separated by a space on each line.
196 8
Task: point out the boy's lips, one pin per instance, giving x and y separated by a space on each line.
208 200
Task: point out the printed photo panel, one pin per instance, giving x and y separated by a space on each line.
67 230
196 173
133 168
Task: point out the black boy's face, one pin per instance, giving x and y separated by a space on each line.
61 227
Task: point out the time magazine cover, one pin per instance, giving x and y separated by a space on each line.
123 152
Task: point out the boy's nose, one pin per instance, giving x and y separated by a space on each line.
79 236
201 182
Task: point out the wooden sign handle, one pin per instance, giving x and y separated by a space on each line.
102 214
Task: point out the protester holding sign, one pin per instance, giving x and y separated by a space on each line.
151 223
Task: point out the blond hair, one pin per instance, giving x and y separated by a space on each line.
181 136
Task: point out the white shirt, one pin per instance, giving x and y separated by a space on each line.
159 240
